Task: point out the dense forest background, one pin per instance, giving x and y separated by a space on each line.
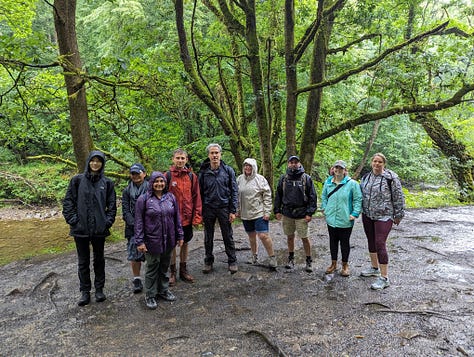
323 79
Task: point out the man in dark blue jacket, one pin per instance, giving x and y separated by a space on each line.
89 208
219 202
295 203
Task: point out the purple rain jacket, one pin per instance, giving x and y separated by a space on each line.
157 222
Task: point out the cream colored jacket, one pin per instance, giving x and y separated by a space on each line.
255 195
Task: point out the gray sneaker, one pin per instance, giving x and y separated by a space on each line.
253 259
370 272
151 303
290 264
309 266
380 284
272 262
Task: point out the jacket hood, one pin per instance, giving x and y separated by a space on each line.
154 175
101 156
296 172
253 163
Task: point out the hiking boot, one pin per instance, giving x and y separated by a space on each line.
380 284
207 268
151 303
137 285
99 296
290 264
233 268
85 299
345 270
272 262
309 266
167 295
332 268
253 259
172 279
183 273
370 272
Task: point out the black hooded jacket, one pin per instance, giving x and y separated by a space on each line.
295 196
89 206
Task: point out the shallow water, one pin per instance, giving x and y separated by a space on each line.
20 239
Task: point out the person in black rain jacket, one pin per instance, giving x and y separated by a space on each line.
89 208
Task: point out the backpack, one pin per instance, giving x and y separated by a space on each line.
303 179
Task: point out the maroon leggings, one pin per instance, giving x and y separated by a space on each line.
377 233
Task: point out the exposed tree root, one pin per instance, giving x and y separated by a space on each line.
43 281
51 292
273 345
419 312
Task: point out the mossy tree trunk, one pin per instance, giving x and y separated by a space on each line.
462 164
65 24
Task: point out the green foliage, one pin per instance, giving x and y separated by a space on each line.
35 183
16 17
432 198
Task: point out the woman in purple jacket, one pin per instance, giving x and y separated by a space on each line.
157 231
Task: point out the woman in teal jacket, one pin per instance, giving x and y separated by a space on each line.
341 204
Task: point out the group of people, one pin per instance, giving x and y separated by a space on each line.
160 211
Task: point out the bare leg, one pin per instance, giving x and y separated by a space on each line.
267 243
374 260
291 243
306 246
253 242
136 267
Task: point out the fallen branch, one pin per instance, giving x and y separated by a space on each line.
16 178
462 351
273 345
432 250
419 312
376 303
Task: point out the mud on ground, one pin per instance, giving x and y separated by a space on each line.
427 311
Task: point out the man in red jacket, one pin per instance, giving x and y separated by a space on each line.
183 183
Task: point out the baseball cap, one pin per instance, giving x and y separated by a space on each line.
137 168
340 163
293 157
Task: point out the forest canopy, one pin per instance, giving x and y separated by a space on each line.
326 80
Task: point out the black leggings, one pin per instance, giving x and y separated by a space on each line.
342 236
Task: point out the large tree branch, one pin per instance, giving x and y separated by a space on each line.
352 43
456 99
232 24
311 31
374 61
10 62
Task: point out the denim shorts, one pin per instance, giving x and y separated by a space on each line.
258 225
133 255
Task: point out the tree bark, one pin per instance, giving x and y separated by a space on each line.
291 77
313 109
256 78
462 164
367 149
65 24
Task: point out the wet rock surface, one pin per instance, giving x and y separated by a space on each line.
428 309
